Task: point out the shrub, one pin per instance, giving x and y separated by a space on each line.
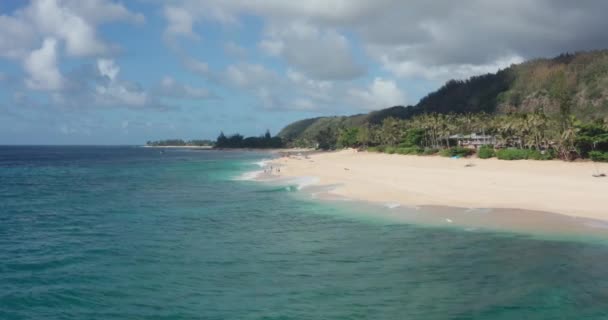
390 150
429 151
486 152
409 150
598 156
456 152
512 154
522 154
538 155
376 149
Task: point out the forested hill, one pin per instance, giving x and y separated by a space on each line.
581 79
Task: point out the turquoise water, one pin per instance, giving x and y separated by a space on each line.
132 233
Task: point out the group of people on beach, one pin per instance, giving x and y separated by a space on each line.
272 169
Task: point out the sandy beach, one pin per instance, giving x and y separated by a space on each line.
549 186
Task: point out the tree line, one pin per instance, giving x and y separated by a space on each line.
179 143
517 135
265 141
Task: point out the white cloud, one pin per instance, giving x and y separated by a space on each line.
115 92
319 90
169 87
72 22
101 11
17 37
380 94
272 47
116 95
196 66
41 65
249 75
179 22
320 54
108 68
442 73
62 22
415 38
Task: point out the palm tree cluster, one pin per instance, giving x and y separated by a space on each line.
533 131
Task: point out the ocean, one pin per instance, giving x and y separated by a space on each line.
136 233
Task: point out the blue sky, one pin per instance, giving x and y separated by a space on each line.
124 72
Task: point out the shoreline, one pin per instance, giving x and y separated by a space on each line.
414 181
280 151
179 147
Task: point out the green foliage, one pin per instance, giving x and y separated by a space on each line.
523 154
456 152
168 142
413 137
409 150
397 150
512 154
390 150
486 152
477 94
541 155
239 141
599 156
179 143
326 139
590 137
349 138
430 151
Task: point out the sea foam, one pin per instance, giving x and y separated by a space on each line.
263 163
392 205
249 175
303 182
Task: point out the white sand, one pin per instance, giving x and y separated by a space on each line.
551 186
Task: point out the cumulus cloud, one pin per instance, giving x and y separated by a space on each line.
63 23
195 65
249 75
320 54
62 27
381 93
70 21
169 87
294 91
41 65
114 92
457 38
179 22
108 68
17 37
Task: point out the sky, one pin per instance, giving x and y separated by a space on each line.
125 72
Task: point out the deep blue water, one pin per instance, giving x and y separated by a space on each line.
130 233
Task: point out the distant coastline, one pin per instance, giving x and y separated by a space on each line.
179 147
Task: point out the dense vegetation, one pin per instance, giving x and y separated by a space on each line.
238 141
179 143
516 136
539 109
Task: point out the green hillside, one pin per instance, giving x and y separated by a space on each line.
579 81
